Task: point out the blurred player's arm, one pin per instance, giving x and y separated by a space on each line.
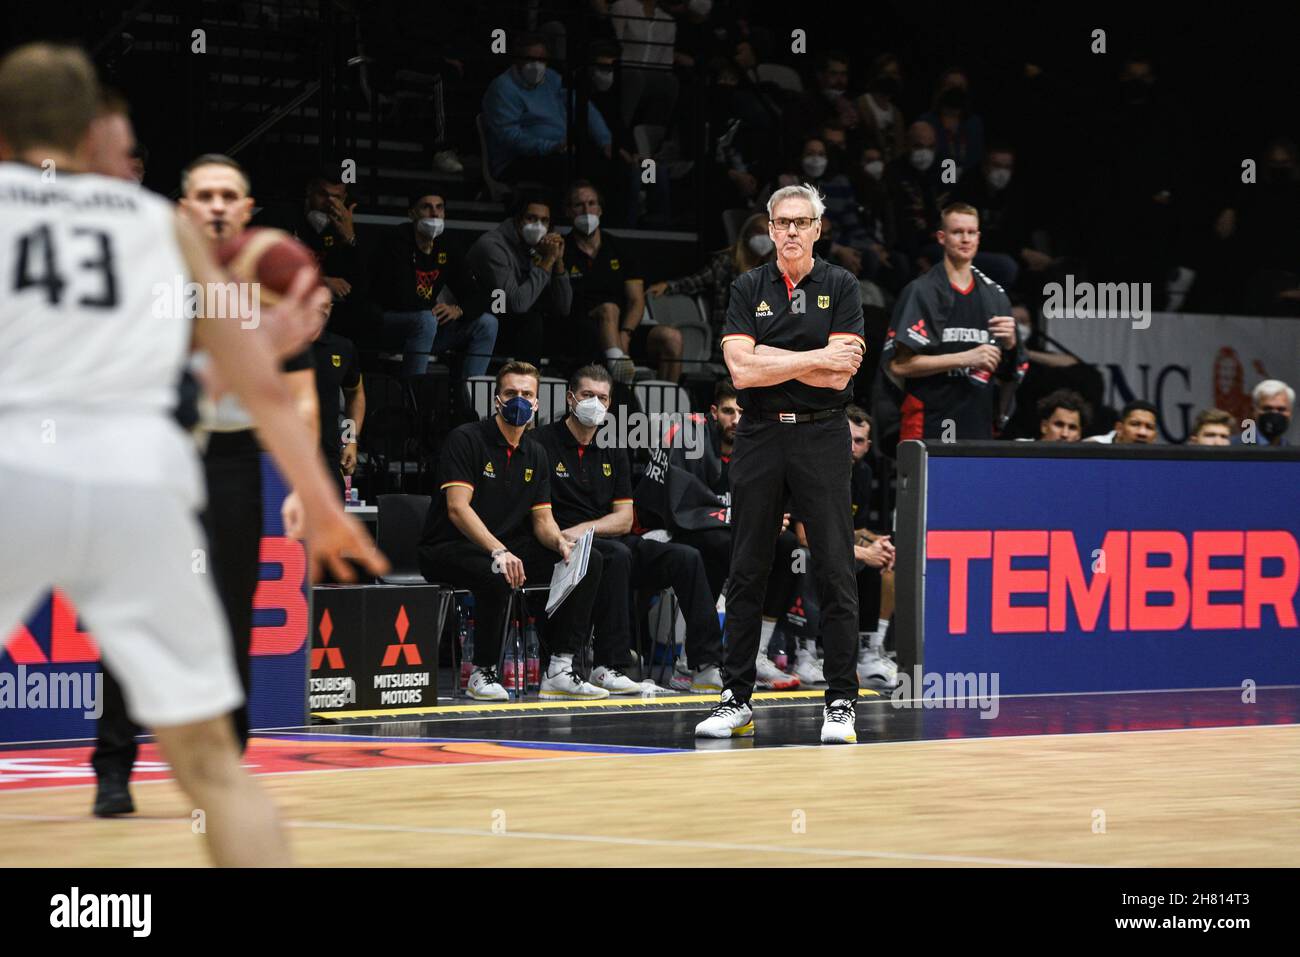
354 409
245 361
302 387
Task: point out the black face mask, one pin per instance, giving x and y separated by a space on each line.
1272 424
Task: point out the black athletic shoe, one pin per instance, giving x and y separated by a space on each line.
112 797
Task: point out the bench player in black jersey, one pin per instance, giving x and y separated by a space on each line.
952 343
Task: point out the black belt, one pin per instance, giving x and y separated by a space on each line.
801 416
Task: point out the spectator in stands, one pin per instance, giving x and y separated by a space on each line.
1004 218
338 374
882 262
648 36
609 296
591 487
604 55
700 36
829 101
525 112
1274 404
914 186
959 132
519 269
325 226
1136 425
604 67
1212 427
850 236
323 223
881 118
490 529
1062 417
752 248
418 278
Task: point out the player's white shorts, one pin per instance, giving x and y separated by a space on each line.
132 558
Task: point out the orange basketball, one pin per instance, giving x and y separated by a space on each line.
269 257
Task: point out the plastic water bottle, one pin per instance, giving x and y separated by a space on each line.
533 655
467 640
347 490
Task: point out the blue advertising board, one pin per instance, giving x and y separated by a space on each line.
1110 572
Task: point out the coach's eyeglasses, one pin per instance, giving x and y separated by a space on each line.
803 223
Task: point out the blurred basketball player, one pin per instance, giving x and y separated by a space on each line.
101 483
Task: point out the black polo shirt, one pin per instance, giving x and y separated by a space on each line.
587 481
599 280
763 310
336 368
508 483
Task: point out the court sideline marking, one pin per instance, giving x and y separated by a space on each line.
678 843
586 755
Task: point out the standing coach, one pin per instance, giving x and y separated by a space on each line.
792 340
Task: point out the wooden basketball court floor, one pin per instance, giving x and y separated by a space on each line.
1185 779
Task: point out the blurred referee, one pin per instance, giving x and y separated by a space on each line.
792 339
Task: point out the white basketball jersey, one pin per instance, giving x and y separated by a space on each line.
91 340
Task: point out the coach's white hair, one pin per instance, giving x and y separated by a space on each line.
1272 387
806 192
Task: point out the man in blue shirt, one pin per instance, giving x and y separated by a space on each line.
526 119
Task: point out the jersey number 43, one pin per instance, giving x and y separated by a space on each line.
39 266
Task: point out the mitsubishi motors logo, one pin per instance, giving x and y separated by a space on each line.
325 653
409 653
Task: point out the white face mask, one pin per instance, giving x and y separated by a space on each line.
533 233
1023 332
875 169
701 8
602 80
814 165
586 223
998 178
318 220
533 72
923 159
590 412
431 227
761 244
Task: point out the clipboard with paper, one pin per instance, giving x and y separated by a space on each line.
568 574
